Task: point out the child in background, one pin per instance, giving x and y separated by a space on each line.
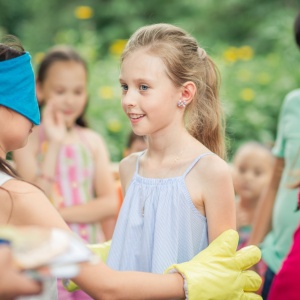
64 157
24 204
252 167
252 170
178 193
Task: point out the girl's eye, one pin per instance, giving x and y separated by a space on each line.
124 87
144 87
59 92
258 172
79 92
242 170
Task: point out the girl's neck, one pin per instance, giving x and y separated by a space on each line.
71 127
248 204
164 144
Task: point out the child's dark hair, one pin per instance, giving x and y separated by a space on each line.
61 54
297 29
10 47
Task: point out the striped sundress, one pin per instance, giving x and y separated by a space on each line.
74 182
159 229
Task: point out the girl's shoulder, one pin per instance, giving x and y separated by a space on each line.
92 138
20 187
212 167
127 167
89 133
130 161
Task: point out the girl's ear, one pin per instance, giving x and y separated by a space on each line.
39 92
188 91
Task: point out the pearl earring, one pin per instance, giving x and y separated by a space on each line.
181 103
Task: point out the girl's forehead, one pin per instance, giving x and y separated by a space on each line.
142 55
65 67
63 71
141 64
257 159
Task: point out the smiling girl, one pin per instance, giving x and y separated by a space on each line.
178 193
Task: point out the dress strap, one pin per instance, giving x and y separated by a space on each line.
83 138
138 161
195 161
4 177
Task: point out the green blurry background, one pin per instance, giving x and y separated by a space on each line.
251 41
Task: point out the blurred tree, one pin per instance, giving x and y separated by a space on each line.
251 41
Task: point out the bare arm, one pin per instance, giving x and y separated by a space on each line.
218 195
31 207
104 283
263 214
24 204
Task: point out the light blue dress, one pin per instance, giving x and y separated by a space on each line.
158 225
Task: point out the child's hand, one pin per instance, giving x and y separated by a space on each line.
219 272
12 282
54 122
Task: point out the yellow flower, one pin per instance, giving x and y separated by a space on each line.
247 94
38 57
83 12
231 54
106 92
117 47
245 53
263 78
114 125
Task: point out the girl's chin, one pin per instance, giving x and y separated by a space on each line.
69 122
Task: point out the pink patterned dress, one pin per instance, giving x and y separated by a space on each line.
74 186
74 182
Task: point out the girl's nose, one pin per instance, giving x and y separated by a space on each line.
68 99
129 99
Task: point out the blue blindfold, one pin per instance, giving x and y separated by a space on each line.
17 87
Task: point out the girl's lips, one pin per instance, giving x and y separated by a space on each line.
68 112
134 118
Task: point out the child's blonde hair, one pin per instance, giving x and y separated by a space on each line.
186 61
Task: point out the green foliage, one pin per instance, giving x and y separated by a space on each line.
251 41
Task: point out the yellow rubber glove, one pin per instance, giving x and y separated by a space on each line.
101 250
219 271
